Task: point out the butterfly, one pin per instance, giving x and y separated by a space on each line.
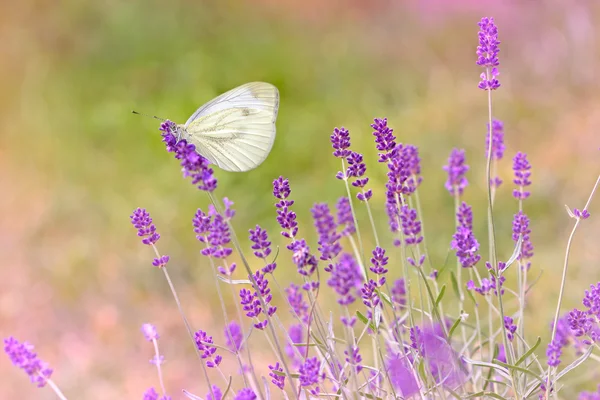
236 130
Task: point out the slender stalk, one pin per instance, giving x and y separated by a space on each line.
159 369
55 388
564 278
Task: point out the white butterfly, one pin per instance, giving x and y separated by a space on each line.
236 130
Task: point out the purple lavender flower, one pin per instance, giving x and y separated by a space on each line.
344 216
193 164
212 229
399 292
581 323
487 53
510 327
369 294
149 332
522 170
379 261
590 395
217 392
234 336
152 394
143 223
251 303
22 356
456 169
297 303
262 247
203 343
340 140
413 162
285 217
345 278
591 300
384 138
245 394
464 216
329 245
357 169
498 146
276 379
305 262
562 337
310 375
260 240
354 358
521 229
401 376
583 214
466 246
411 226
296 334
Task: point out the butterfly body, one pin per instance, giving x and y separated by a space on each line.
236 130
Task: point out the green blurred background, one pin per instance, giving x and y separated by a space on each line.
74 161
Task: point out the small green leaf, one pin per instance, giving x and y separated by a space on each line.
530 351
518 369
574 364
366 321
440 295
514 255
454 284
453 327
228 388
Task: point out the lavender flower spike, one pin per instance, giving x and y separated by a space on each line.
384 138
522 170
487 54
22 356
456 168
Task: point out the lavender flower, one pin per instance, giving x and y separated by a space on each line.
522 170
354 358
345 278
521 229
217 392
310 375
276 379
401 376
297 303
251 303
245 394
411 226
510 327
384 138
285 217
152 394
22 356
591 300
234 336
212 229
456 169
203 343
466 247
296 334
399 292
590 395
340 140
583 214
149 332
379 261
357 169
193 164
329 245
464 216
369 294
344 216
141 220
487 54
562 337
411 156
498 146
262 247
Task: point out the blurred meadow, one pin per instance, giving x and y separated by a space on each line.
74 161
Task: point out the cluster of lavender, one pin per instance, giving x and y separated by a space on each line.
400 338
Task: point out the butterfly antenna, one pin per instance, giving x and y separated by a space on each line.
149 116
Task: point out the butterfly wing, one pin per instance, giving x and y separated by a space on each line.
236 130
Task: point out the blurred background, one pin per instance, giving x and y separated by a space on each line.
74 161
